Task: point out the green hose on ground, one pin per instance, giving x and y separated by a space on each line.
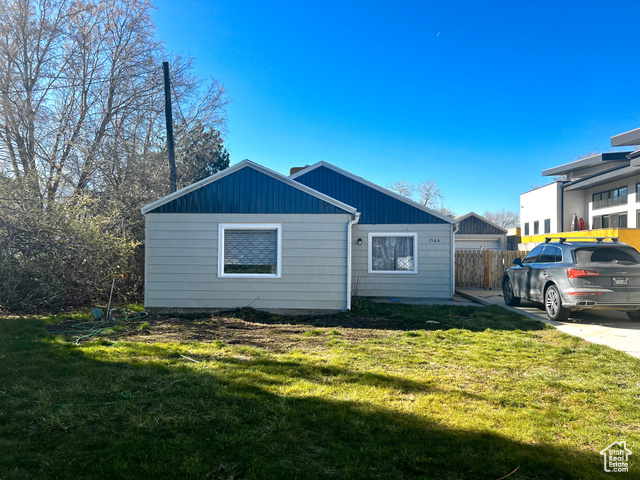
90 327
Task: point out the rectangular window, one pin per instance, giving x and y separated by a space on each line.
250 250
618 220
547 225
638 194
597 222
610 198
622 220
605 221
526 228
597 201
637 218
393 253
536 228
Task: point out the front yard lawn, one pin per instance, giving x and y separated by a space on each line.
384 393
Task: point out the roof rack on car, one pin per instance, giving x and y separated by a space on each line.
582 239
561 239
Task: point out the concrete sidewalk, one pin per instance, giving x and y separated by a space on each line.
607 327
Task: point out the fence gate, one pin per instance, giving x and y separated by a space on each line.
483 269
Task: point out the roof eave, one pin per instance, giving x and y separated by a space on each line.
584 163
603 178
632 137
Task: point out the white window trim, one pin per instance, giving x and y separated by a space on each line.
393 234
248 226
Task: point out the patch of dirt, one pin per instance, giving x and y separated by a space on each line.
245 327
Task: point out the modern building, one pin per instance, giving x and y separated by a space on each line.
595 196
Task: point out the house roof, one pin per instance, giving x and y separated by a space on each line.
471 223
376 204
579 167
610 176
247 187
632 137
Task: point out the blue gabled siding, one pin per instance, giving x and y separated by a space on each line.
375 206
247 191
476 226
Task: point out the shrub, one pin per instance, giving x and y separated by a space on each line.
65 255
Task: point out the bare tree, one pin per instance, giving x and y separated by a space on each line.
503 218
430 194
427 193
443 209
81 91
402 187
82 143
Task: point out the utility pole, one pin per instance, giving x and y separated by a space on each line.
169 120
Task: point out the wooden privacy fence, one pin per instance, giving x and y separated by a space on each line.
484 269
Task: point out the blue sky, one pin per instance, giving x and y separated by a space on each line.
478 96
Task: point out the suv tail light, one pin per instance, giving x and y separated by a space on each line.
578 272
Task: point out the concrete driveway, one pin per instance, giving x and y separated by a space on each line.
606 327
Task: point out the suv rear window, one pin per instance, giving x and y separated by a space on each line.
607 255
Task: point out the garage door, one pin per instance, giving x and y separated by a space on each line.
477 244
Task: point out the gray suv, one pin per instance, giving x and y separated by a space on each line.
577 274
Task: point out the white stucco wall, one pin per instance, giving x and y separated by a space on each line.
538 205
574 203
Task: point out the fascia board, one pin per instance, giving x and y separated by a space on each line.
584 163
374 186
609 176
632 137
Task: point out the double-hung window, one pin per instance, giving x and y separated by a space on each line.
393 253
250 250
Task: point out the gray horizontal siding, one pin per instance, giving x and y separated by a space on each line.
182 263
434 277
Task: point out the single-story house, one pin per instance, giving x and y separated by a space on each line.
475 232
249 236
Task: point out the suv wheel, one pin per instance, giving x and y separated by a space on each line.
634 315
553 305
507 293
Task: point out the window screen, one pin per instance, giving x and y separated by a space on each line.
250 252
392 254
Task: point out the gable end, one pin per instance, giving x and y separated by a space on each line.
247 190
376 206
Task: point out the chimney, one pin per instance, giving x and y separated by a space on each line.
296 169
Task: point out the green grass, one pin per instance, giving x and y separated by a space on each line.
481 393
